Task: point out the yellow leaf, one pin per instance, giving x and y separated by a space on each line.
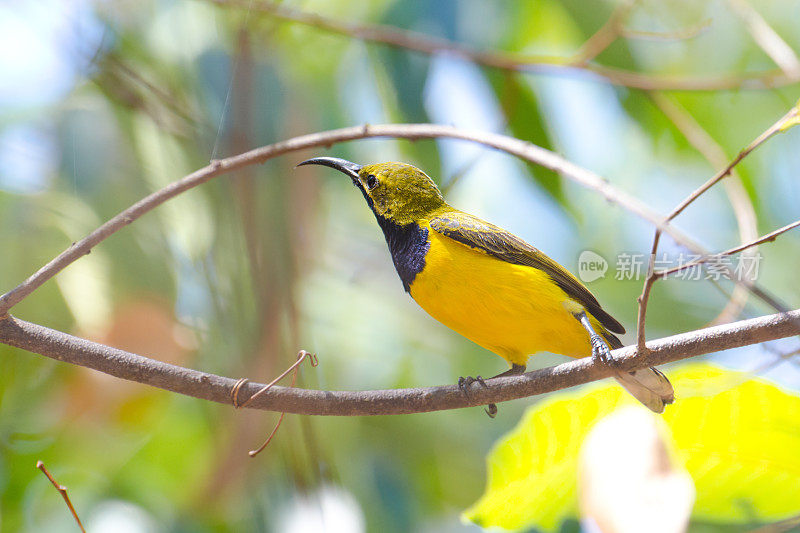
739 439
793 120
741 444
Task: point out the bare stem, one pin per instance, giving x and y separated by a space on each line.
641 317
740 201
761 240
777 127
63 491
644 298
121 364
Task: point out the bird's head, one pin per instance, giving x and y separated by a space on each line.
396 192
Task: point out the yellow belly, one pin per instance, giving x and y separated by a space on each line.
511 310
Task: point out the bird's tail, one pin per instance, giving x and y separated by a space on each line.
648 385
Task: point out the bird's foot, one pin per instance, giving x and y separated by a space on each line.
601 351
464 384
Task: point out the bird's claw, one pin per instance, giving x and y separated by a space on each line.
465 382
600 351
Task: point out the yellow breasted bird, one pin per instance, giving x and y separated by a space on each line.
486 283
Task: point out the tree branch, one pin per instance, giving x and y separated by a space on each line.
125 365
522 149
427 44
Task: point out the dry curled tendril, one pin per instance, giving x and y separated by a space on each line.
301 356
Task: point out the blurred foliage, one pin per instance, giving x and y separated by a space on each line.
103 103
738 438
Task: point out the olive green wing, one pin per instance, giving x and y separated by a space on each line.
495 241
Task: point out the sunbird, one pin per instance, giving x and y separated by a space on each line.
486 283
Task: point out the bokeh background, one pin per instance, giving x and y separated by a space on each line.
102 103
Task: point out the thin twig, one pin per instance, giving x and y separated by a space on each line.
121 364
741 203
426 44
761 240
253 453
777 127
294 368
642 300
769 237
63 491
301 356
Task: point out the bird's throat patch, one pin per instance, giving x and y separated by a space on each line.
408 245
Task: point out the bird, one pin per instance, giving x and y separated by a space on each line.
486 283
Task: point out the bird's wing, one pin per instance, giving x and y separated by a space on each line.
476 233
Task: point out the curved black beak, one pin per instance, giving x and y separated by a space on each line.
342 165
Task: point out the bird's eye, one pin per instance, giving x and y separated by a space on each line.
372 182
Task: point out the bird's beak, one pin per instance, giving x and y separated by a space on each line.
342 165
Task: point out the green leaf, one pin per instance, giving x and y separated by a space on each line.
738 437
